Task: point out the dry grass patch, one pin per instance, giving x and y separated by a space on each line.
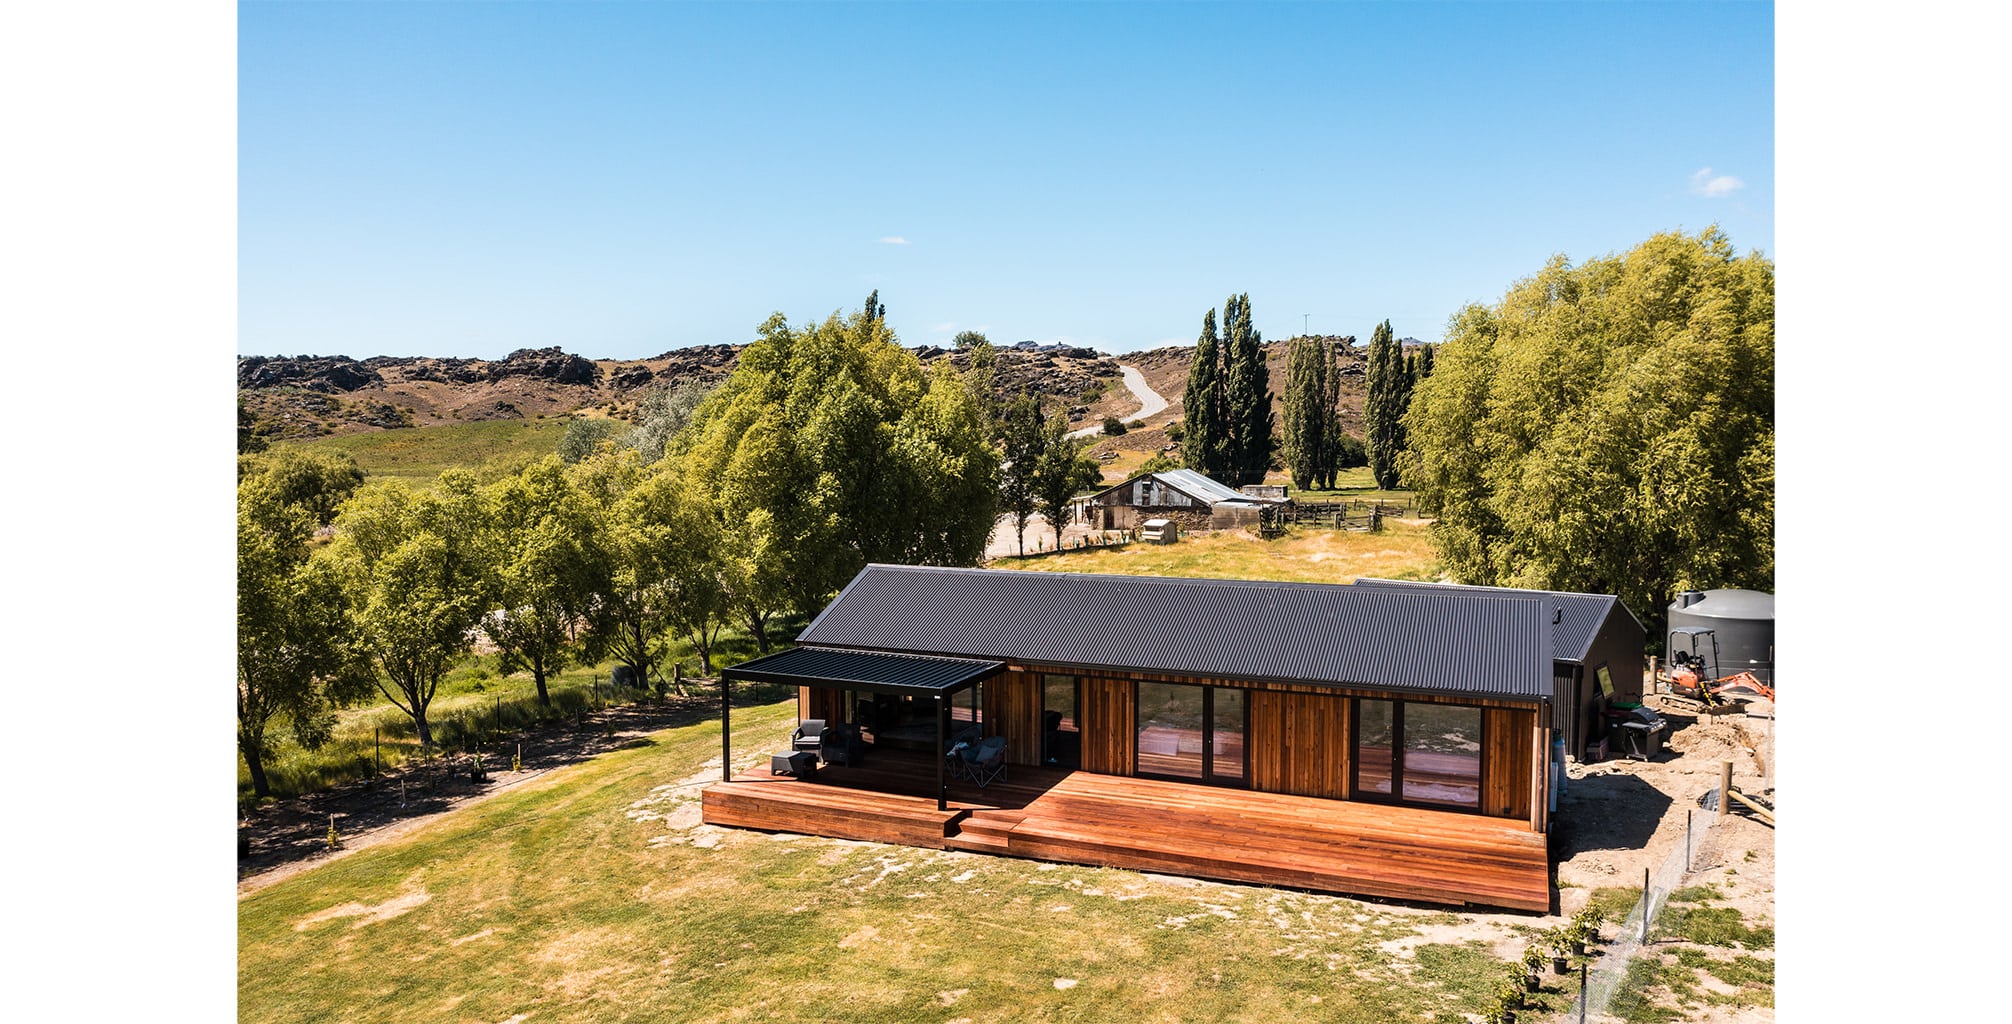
1402 550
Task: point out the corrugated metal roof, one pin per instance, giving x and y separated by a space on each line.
859 670
1575 631
1196 485
1448 643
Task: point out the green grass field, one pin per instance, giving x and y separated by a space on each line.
418 455
591 894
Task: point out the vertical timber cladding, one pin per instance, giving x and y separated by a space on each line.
1507 761
815 702
1013 710
1299 743
1108 733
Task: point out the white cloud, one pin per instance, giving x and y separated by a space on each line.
1712 186
894 240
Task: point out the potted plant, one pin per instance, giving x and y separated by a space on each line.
1561 947
1585 929
1511 995
1533 967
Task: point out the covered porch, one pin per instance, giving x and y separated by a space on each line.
1228 834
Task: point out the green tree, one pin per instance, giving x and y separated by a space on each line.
293 638
313 479
1061 471
663 411
584 434
250 441
982 378
829 448
1204 434
1384 405
415 575
547 559
1608 427
662 574
1307 447
1246 403
1025 434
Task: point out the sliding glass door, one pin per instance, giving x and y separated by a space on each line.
1415 753
1191 733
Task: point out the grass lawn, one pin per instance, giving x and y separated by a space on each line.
591 894
1304 555
418 455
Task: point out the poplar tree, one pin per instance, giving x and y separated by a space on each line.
1203 440
1246 405
1383 407
1306 419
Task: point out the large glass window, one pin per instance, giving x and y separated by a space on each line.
1418 753
1375 754
1170 730
1442 754
1193 733
1226 732
1061 737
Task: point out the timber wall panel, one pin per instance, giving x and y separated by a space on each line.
1013 710
1299 743
1507 762
1108 734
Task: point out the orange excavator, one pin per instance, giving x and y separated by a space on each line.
1692 678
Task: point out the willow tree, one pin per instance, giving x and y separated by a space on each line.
829 447
293 637
546 552
415 574
1608 427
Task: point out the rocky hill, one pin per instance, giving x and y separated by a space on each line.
315 396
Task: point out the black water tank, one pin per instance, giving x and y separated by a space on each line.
1743 620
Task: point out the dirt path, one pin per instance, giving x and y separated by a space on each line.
1150 401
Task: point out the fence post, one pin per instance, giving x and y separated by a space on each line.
1687 839
1725 789
1645 906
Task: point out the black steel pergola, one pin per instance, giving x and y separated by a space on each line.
824 668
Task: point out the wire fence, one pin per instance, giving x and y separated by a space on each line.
1606 979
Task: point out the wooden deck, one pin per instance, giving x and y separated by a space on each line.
1148 825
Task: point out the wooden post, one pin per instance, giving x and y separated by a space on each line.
1725 790
726 733
942 787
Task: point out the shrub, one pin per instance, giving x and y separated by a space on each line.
1113 426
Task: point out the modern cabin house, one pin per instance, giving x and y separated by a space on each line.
1598 655
1378 741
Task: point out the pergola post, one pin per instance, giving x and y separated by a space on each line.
726 732
942 787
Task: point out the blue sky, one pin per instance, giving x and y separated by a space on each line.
621 179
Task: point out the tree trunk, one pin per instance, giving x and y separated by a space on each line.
425 731
538 673
758 625
260 787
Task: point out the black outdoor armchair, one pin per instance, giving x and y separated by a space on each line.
842 744
808 735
